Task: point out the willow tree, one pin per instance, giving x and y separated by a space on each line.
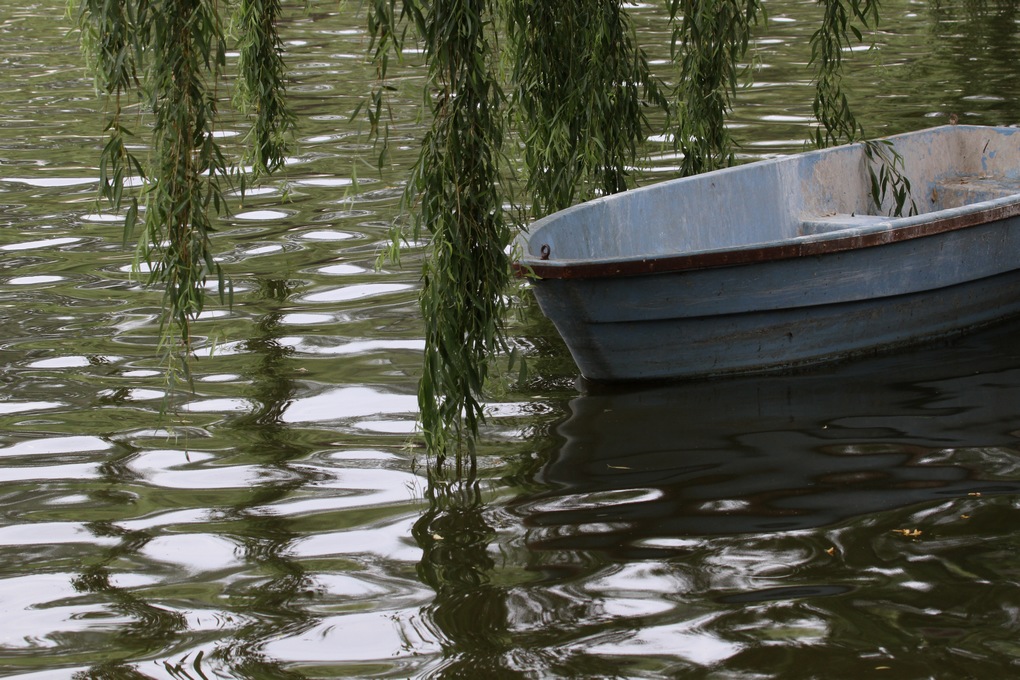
167 59
534 105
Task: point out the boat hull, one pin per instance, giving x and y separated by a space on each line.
870 284
758 341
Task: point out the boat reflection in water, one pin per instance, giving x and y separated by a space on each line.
782 452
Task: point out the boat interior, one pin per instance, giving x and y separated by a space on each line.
815 195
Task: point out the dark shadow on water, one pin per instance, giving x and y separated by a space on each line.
657 473
641 468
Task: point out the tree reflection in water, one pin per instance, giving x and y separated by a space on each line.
266 602
469 612
266 536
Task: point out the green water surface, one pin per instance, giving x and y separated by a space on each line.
854 521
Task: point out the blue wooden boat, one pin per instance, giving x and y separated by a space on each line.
784 262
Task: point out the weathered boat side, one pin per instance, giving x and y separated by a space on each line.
784 262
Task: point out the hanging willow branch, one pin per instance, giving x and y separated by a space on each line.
387 30
108 36
185 176
836 34
168 57
579 88
710 39
261 87
838 124
459 203
580 85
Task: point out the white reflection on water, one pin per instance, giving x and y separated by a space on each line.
304 319
327 235
173 518
39 608
389 540
51 445
345 586
135 395
650 579
262 215
175 469
102 217
42 243
306 345
221 349
8 407
257 191
326 182
51 533
220 377
341 269
362 636
219 406
195 553
598 499
51 181
688 639
351 488
263 250
33 280
346 403
61 470
357 292
61 362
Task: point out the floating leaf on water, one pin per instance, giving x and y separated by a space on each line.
911 533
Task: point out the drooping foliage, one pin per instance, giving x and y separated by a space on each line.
578 108
458 201
534 105
709 44
581 87
261 90
836 35
161 65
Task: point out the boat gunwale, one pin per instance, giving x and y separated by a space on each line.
885 231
